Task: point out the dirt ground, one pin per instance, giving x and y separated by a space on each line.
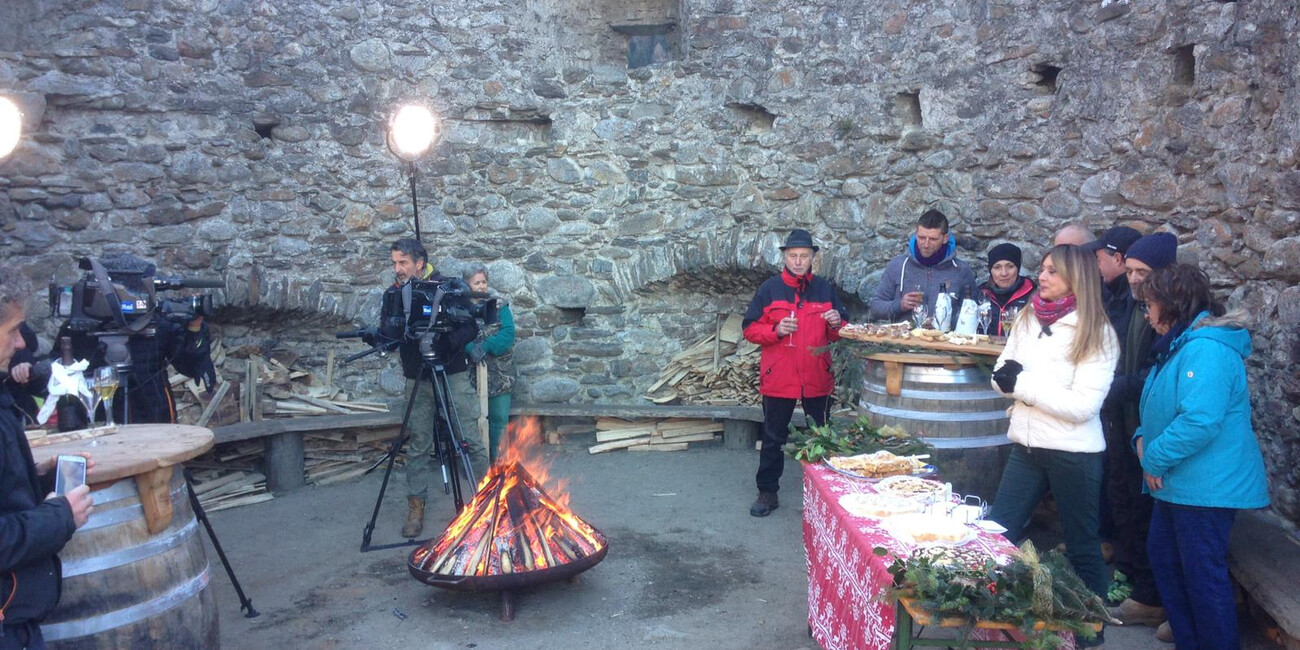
688 568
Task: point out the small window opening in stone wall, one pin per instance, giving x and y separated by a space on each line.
1047 75
757 117
264 125
649 44
1185 65
907 108
572 314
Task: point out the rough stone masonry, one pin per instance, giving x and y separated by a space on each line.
626 169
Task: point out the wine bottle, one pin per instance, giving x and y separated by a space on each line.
70 409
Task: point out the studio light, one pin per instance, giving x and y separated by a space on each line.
412 130
11 126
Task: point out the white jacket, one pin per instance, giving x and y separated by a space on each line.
1057 402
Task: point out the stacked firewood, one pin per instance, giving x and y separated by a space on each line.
662 434
719 370
252 385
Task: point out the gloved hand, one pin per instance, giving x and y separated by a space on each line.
475 352
1005 376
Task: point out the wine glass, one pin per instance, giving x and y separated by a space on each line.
106 383
789 339
984 315
1009 314
918 315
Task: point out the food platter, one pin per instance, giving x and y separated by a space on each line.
912 487
922 339
916 530
877 506
879 465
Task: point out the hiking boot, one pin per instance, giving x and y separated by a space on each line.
765 504
414 517
1131 612
1165 633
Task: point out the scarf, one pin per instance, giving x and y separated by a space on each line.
1049 312
939 255
1160 347
798 282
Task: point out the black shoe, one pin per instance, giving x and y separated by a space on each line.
765 504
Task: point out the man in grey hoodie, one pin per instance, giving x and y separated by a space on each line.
914 277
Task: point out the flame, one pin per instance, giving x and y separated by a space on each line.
512 524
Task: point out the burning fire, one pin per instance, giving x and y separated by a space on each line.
512 525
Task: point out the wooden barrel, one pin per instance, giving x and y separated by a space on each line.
126 588
949 402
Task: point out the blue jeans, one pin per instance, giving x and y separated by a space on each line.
1188 547
1075 481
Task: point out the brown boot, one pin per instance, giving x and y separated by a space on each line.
765 504
414 517
1131 612
1165 633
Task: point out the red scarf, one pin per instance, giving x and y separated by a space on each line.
799 282
1048 312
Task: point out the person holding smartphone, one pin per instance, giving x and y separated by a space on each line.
34 523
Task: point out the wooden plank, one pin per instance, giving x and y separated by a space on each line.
154 488
696 437
320 403
893 378
624 434
986 349
675 446
222 389
617 444
1264 557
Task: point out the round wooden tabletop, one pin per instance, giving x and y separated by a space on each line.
134 449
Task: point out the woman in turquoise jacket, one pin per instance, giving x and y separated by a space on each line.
1199 453
494 348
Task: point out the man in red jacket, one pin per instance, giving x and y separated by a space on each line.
791 316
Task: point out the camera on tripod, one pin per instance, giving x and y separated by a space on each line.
435 305
114 290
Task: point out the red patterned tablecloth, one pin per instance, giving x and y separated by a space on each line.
845 578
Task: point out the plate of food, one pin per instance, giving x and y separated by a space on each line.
972 557
914 529
879 465
913 487
877 506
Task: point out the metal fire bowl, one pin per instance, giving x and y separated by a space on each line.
509 581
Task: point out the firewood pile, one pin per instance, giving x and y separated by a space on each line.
718 370
252 386
661 434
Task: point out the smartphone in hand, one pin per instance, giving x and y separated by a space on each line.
69 473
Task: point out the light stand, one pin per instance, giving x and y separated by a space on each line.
412 130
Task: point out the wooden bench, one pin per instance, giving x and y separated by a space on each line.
1264 558
284 446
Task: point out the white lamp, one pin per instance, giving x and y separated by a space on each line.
412 130
11 126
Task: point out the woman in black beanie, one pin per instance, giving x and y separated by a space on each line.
1005 286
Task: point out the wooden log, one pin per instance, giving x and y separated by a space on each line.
213 404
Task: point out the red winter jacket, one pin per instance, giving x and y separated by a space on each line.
794 371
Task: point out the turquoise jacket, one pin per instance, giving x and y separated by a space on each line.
1196 420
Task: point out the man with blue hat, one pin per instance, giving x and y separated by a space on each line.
793 317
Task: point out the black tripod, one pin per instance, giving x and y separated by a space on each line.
448 441
119 356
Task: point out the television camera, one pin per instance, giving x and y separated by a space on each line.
125 297
419 311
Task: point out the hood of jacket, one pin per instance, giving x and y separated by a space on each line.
1229 330
950 249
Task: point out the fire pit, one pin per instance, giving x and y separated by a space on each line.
511 535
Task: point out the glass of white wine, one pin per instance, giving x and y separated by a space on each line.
106 383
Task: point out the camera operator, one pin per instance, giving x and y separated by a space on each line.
185 346
411 262
34 524
22 381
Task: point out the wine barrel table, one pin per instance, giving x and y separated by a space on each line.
136 575
948 401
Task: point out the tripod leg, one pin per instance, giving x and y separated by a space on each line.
388 472
245 604
451 416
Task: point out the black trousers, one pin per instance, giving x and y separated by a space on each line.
1130 512
776 429
22 636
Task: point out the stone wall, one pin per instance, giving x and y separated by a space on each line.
627 169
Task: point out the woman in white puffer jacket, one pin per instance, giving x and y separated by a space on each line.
1058 365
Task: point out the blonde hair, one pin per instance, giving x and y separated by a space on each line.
1078 267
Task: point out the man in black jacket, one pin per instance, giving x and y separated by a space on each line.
411 262
33 526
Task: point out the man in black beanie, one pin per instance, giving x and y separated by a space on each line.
1130 508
